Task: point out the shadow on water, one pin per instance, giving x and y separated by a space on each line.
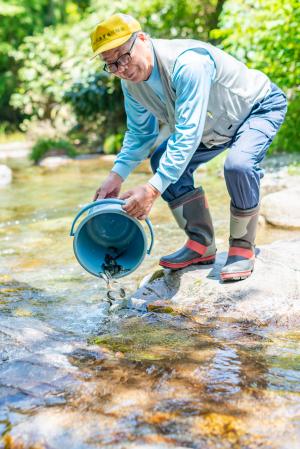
73 375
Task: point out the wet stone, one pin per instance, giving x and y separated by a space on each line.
4 356
84 356
55 400
161 307
15 399
34 379
15 290
198 291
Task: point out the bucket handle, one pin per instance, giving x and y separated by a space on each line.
112 201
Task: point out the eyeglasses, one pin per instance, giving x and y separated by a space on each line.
121 61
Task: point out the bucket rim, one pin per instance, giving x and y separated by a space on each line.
111 211
101 212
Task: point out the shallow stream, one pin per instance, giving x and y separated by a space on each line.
74 376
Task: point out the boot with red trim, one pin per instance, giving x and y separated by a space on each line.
192 215
241 254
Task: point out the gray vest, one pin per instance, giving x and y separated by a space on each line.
233 93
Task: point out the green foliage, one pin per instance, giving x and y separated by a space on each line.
265 35
18 20
294 169
45 71
50 70
165 18
98 103
9 132
51 64
47 147
288 137
113 144
13 136
22 18
55 66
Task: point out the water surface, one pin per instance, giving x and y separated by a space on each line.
73 375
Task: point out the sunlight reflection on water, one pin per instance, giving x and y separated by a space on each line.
138 379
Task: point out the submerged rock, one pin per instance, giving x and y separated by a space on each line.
161 307
269 297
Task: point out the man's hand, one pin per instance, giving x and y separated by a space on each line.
140 200
110 188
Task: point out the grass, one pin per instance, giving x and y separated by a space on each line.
15 136
51 147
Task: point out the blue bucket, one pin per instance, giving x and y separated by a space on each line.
108 239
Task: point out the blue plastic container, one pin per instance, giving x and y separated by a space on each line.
109 237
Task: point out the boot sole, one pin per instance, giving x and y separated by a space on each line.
235 276
198 261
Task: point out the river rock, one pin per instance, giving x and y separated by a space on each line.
282 208
5 175
53 162
269 297
274 182
19 149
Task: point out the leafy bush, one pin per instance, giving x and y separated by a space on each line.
18 20
55 66
98 105
22 18
50 147
265 35
59 85
56 70
45 73
113 144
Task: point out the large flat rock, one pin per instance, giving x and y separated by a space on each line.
271 296
282 208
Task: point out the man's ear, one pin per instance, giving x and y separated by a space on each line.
143 36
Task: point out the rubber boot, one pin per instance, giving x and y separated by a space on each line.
241 255
192 215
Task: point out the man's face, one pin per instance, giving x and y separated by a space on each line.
139 66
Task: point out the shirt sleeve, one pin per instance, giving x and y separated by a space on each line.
192 78
142 132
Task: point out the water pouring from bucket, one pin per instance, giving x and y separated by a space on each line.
108 241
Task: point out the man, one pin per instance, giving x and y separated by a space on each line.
211 102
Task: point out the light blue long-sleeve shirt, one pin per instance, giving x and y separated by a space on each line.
192 76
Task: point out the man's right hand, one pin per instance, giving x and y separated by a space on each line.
110 188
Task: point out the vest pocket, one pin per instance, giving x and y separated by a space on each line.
257 136
226 126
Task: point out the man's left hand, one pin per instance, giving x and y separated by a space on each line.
140 200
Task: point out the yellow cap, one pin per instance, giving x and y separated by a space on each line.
113 32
